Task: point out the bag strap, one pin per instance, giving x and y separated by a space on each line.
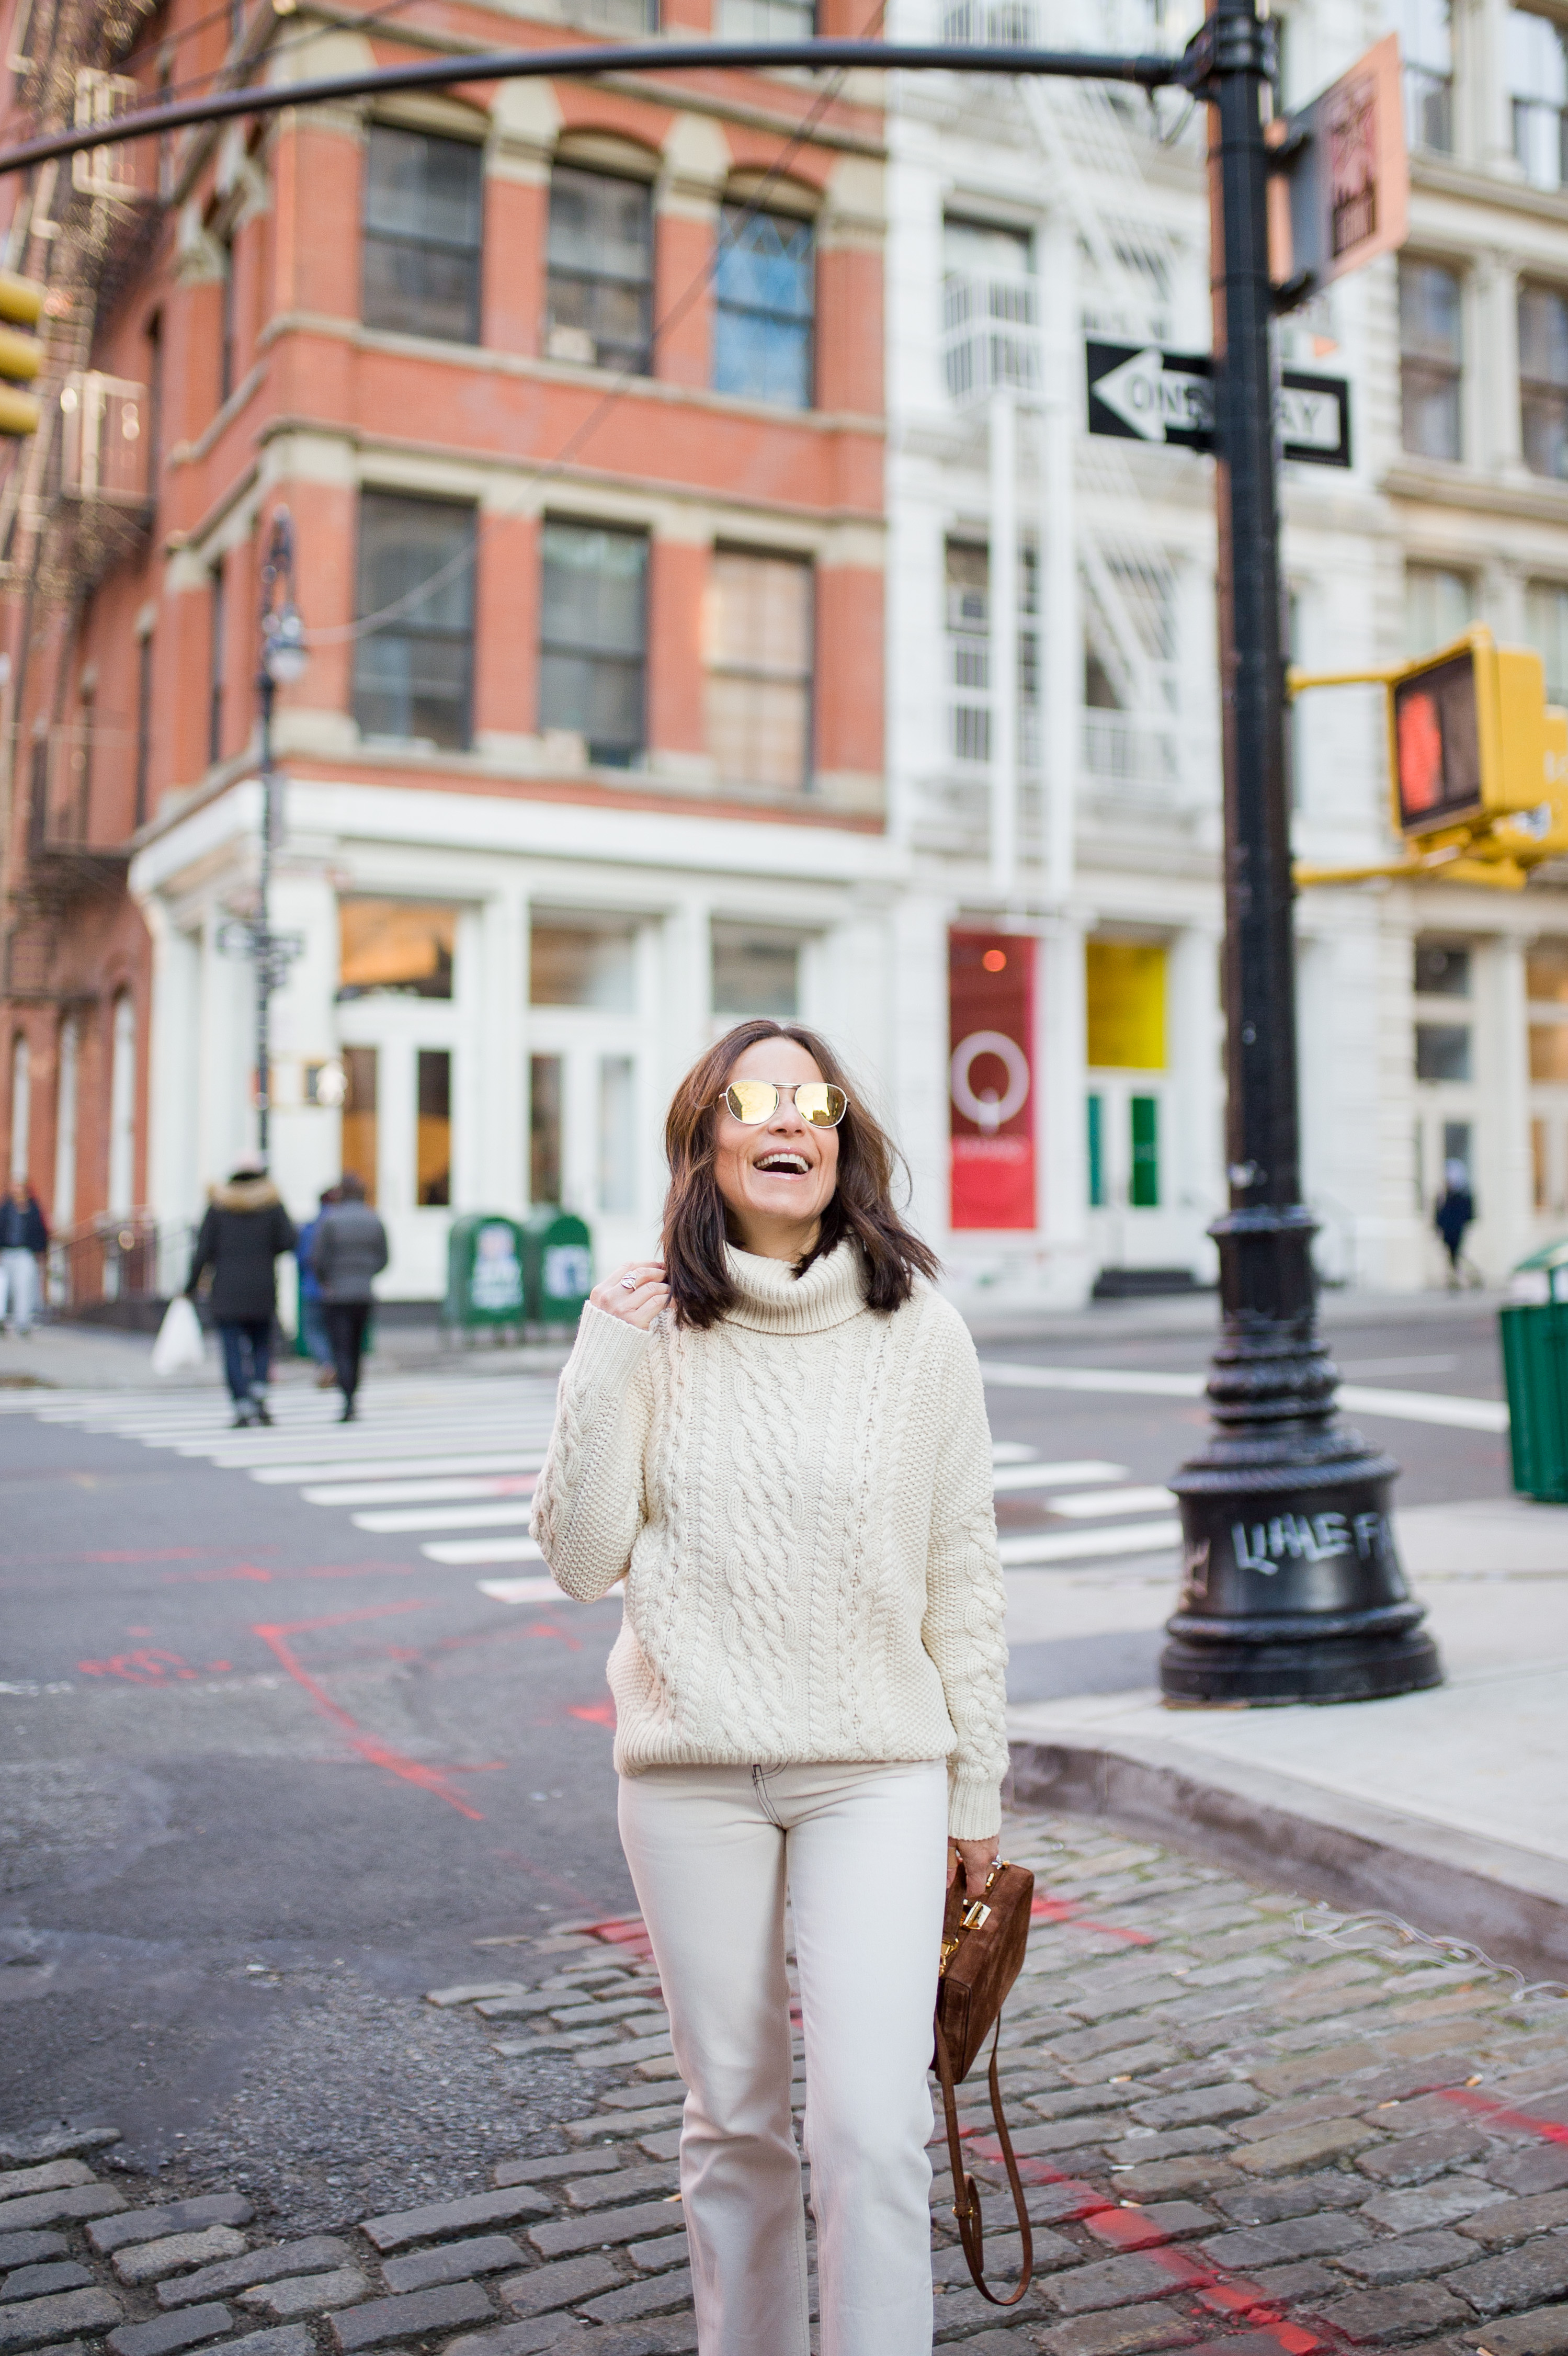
965 2200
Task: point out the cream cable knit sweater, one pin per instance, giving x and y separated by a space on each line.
799 1500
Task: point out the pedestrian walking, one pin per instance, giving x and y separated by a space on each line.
349 1252
1455 1213
23 1239
775 1436
245 1231
312 1313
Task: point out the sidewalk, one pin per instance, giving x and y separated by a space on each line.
1450 1807
101 1357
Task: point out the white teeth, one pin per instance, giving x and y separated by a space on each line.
793 1163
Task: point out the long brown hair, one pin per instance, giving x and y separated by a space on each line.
695 1233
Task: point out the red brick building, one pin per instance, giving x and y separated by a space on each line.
573 392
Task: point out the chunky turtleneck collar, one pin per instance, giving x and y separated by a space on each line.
774 1299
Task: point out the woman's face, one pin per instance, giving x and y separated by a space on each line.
778 1179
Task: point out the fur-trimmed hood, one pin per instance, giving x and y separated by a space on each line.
246 1194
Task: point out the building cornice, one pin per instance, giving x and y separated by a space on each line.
1537 500
1498 192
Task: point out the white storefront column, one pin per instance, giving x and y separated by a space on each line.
917 1054
305 1138
1193 1029
492 1104
1060 1117
173 1183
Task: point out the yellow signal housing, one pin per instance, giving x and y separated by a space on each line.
1467 736
21 357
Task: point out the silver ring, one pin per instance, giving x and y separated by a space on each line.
628 1284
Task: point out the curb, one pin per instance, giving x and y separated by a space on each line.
1511 1903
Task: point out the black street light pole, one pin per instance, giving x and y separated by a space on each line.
282 661
1292 1589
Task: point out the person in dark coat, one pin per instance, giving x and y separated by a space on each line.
23 1239
245 1231
1456 1211
349 1252
313 1315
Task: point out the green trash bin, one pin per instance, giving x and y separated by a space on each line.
1535 1366
485 1271
558 1266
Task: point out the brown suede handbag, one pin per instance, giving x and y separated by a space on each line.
983 1943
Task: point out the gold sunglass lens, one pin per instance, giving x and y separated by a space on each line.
751 1101
820 1103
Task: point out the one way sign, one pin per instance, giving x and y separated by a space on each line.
1150 395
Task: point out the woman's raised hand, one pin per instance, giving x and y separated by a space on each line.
635 1293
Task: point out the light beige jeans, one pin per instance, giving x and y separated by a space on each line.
863 1850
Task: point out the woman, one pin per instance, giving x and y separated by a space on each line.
776 1436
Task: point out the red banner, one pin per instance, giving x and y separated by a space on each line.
990 1079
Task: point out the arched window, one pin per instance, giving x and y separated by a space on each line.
62 1205
123 1107
21 1104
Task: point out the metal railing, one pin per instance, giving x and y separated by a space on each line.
1126 748
135 1258
990 337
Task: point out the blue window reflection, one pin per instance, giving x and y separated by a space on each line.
764 289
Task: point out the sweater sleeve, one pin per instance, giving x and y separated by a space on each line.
588 1505
965 1605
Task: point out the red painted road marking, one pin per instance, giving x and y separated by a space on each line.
146 1667
1218 2289
1498 2115
275 1635
1067 1910
628 1931
597 1713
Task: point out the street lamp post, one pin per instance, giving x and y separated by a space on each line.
1292 1589
282 660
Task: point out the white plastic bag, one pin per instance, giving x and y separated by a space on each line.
178 1345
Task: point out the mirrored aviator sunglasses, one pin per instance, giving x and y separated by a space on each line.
818 1102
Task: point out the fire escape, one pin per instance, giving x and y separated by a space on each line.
74 503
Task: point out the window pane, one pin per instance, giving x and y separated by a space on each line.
424 215
1442 1051
400 949
413 674
1441 972
432 1151
1438 607
755 971
1538 83
1430 331
1143 1189
544 1128
766 20
763 290
1543 379
1549 1053
1546 973
1546 627
359 1121
601 270
1124 1005
582 965
617 1135
759 628
590 668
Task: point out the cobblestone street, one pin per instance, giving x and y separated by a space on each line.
1244 2121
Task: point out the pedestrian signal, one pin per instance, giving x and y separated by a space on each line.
1467 734
22 302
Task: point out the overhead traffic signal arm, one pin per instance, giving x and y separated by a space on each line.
1478 763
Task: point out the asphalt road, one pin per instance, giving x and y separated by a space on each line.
265 1774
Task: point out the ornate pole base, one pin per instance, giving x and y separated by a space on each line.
1292 1589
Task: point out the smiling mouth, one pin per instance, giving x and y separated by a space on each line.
784 1165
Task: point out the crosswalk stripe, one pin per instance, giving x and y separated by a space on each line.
416 1492
465 1550
1008 1477
521 1591
1097 1502
450 1518
1085 1545
366 1468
